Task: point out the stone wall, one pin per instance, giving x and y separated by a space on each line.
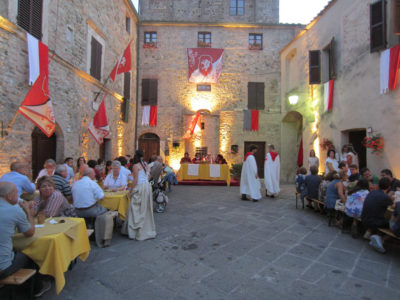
255 11
358 104
72 89
228 97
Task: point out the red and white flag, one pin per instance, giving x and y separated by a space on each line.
189 132
37 106
149 115
98 126
124 63
389 68
205 64
328 95
146 115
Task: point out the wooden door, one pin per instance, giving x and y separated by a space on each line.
42 148
260 155
149 143
356 138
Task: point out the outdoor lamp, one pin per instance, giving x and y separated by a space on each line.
293 99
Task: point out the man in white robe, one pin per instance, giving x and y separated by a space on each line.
249 182
272 172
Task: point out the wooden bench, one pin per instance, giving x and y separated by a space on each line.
388 232
18 278
297 197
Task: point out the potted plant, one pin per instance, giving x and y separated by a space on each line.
255 46
375 142
150 45
202 44
325 144
236 171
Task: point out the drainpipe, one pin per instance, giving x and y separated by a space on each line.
137 83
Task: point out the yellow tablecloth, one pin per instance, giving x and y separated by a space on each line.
117 201
204 173
54 252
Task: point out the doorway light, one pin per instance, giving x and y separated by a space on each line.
293 99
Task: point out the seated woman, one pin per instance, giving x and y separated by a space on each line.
312 183
115 181
354 204
336 191
186 159
50 201
197 158
220 160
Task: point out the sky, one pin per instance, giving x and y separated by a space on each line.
295 11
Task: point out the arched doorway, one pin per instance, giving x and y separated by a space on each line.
42 148
292 127
149 143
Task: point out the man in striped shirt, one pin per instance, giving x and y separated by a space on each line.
61 182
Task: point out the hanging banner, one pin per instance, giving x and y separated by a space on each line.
204 65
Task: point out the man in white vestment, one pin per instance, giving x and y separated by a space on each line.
272 172
249 182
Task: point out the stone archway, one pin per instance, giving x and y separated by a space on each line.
149 143
292 127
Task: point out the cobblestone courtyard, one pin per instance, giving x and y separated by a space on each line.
211 245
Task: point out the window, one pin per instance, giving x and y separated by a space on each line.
396 17
236 8
378 25
95 58
204 39
314 67
128 24
328 63
127 97
30 16
255 95
150 40
202 151
255 41
149 91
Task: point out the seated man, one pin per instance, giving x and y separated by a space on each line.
115 181
61 183
312 183
343 167
92 164
124 170
86 193
49 167
373 213
354 175
186 159
394 183
372 179
18 178
69 163
15 216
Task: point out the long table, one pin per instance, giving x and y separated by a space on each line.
54 246
204 172
117 201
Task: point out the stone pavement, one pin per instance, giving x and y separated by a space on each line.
211 245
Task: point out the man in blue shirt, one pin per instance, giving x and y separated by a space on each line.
18 178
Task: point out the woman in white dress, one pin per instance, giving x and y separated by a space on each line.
313 160
139 223
331 164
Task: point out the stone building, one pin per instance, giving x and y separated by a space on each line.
69 28
167 29
343 43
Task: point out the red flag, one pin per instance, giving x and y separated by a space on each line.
328 95
254 120
98 127
394 66
205 64
124 63
153 116
300 154
37 106
190 130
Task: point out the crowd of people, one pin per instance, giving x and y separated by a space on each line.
199 158
75 191
357 200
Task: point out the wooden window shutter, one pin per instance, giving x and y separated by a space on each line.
95 59
396 17
260 95
378 25
127 96
315 67
153 92
145 91
252 95
30 16
332 73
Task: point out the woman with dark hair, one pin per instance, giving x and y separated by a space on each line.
81 160
139 223
355 199
50 201
108 167
331 164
